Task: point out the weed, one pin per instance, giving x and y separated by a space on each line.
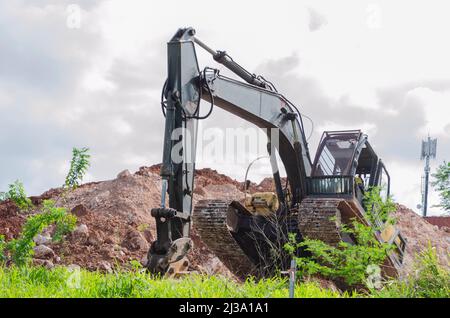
431 280
347 261
17 194
78 167
20 250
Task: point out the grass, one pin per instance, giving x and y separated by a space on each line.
430 280
38 282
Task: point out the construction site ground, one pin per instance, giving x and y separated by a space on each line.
115 227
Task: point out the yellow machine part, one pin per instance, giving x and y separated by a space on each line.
262 203
388 233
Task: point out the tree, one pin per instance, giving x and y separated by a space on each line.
442 184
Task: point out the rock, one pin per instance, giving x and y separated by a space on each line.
124 174
81 233
95 239
41 239
73 268
131 219
43 262
81 229
107 251
109 240
105 266
80 210
144 261
48 231
135 241
43 252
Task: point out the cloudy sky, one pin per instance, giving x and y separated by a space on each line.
89 73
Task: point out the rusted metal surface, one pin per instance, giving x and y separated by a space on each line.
209 220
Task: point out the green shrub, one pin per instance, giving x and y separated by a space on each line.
377 209
351 263
20 250
17 194
78 167
430 280
441 183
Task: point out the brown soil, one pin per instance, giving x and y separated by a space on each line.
120 228
419 235
10 220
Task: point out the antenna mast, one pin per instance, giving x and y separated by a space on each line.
428 151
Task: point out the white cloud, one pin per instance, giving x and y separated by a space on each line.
121 126
95 81
89 86
316 20
437 109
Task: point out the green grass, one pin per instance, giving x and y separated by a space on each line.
38 282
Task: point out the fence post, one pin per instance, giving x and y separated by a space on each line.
292 272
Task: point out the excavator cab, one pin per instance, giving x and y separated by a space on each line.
344 169
346 165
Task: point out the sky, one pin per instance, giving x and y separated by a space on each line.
90 73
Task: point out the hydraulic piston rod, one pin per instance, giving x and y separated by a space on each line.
223 58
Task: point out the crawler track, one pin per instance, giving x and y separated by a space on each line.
320 219
209 219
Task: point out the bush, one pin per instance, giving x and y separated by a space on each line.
20 250
442 184
431 280
352 263
17 194
378 212
78 167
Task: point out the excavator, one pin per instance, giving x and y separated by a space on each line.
315 200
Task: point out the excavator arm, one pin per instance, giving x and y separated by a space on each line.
255 100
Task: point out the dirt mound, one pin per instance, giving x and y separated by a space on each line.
115 225
10 220
114 221
419 235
